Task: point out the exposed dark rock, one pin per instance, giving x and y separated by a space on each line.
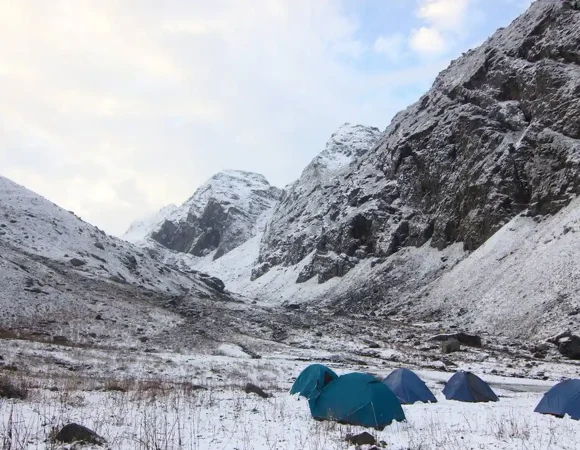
450 346
253 389
470 340
569 346
60 339
363 438
99 245
9 390
216 218
76 262
214 283
77 433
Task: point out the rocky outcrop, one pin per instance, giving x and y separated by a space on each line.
220 216
497 134
307 218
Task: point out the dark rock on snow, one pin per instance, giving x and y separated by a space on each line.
470 340
253 389
450 346
570 346
363 438
76 262
77 433
9 390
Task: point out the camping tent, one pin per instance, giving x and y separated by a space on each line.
357 399
562 399
467 387
408 387
312 380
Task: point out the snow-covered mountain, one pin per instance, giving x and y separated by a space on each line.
222 214
400 222
68 277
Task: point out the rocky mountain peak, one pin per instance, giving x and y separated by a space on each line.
497 134
345 144
219 216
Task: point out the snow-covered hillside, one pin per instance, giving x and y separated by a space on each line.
524 281
33 224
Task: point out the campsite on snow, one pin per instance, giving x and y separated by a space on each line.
416 287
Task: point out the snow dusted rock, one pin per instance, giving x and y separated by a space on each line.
220 216
497 134
313 216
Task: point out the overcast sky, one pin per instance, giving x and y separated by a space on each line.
114 108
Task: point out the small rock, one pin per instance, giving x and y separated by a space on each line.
59 339
76 262
374 345
77 433
253 389
99 317
363 438
450 346
99 245
143 338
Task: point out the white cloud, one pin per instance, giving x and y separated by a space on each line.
443 14
392 46
427 41
113 109
444 21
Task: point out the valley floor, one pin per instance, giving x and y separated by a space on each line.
156 400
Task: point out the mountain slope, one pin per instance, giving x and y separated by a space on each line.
38 227
310 206
221 215
496 134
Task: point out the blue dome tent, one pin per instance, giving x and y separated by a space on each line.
408 387
357 399
467 387
312 380
562 399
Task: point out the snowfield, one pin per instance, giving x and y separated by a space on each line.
170 410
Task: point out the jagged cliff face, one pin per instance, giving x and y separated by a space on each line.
312 205
498 133
220 216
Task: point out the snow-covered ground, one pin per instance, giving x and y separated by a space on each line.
162 407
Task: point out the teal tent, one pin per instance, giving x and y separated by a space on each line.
312 380
357 399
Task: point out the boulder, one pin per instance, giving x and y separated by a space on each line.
77 433
253 389
570 347
76 262
471 340
363 438
568 344
450 346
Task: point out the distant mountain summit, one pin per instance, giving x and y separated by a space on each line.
221 215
